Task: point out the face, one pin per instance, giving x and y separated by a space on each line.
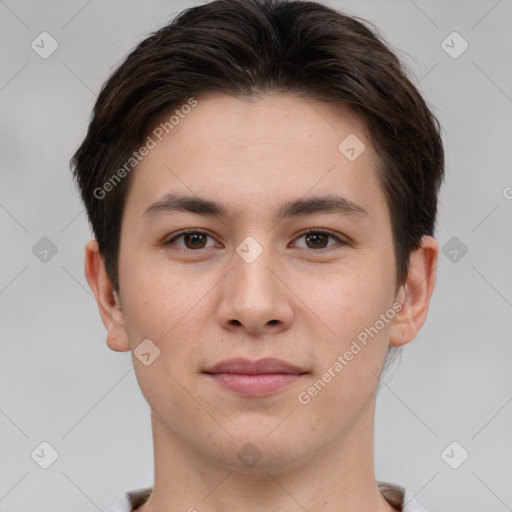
254 284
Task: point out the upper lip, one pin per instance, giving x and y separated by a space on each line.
249 367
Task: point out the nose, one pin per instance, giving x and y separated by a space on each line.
255 296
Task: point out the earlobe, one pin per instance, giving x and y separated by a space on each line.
414 295
108 300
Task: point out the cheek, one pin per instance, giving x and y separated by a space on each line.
155 297
349 361
351 305
158 310
348 300
171 309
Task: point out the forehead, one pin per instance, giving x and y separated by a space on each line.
276 118
252 152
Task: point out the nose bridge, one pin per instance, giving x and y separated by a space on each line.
251 266
252 294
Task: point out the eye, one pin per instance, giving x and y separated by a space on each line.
317 239
193 239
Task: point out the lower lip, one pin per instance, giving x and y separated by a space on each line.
255 385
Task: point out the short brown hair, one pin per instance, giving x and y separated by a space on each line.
247 47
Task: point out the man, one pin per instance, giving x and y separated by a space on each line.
261 178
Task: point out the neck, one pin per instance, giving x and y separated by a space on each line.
339 477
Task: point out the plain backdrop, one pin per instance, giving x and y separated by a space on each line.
61 385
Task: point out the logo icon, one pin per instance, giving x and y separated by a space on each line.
44 45
146 352
249 455
454 250
454 455
44 250
249 249
351 147
44 455
454 45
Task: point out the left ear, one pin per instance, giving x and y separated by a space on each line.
414 295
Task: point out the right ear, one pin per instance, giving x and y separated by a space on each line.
109 303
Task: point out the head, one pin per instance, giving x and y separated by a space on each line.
253 105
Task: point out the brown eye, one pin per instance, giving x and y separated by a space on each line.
192 239
318 239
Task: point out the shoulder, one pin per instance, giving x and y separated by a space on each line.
131 500
396 496
400 498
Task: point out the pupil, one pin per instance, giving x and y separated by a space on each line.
309 237
194 236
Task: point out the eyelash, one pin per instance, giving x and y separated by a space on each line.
307 232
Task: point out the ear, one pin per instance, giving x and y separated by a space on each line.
109 303
414 295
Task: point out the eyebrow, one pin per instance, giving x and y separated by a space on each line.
317 204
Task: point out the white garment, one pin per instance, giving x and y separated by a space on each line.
390 491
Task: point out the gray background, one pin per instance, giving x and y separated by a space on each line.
61 384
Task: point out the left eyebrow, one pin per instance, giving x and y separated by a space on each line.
318 204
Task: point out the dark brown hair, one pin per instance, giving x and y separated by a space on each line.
248 47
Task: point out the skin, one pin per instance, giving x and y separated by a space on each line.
202 306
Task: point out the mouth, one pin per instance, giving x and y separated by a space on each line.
254 378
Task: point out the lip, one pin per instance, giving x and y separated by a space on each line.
258 367
254 378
